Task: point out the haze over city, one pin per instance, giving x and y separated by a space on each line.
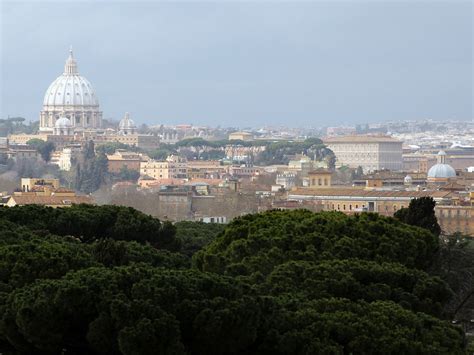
245 63
236 177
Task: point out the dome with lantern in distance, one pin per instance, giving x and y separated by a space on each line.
72 96
127 125
441 170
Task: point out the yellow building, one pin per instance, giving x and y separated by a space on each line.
155 169
29 184
204 169
241 136
45 192
320 178
351 200
24 138
456 219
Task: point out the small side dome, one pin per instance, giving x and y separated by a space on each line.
63 122
127 123
408 180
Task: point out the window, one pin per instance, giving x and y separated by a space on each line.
319 182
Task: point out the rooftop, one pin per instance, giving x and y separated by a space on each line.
361 139
367 193
50 200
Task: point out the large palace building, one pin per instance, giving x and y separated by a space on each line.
71 97
369 152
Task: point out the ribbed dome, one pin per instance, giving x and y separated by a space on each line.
441 170
70 88
70 95
63 122
127 123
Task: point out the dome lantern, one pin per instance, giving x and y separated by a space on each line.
70 68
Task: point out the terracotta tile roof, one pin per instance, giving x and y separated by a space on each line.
50 200
63 189
320 171
213 182
168 181
332 192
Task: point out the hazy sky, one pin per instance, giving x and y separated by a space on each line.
246 63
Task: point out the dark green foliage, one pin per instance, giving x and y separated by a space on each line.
279 282
24 261
358 280
337 326
310 256
161 153
280 152
111 147
16 125
420 213
89 222
195 235
263 241
44 148
109 252
136 310
91 169
127 174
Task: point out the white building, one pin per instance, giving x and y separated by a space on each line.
287 180
370 152
71 96
65 158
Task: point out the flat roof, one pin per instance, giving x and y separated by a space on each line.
350 192
361 139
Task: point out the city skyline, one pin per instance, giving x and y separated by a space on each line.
245 64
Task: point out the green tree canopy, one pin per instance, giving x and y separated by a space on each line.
44 148
420 213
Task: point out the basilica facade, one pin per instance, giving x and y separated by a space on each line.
70 96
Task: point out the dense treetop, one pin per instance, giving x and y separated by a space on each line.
262 241
111 280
